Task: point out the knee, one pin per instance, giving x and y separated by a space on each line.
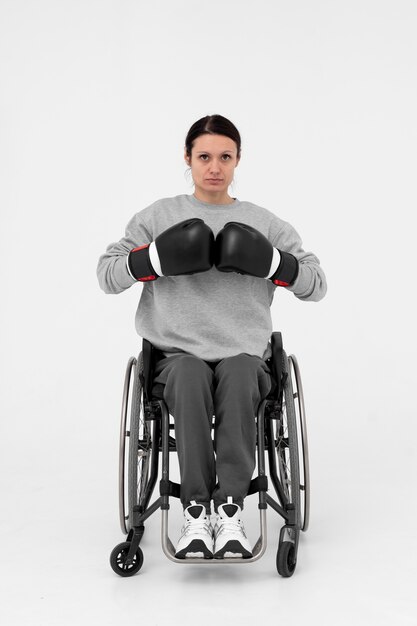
190 369
242 364
243 374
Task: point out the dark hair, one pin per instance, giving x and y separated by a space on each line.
212 125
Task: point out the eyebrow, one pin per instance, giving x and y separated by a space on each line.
207 152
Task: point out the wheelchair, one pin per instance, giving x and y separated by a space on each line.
281 433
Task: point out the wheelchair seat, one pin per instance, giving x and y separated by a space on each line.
150 355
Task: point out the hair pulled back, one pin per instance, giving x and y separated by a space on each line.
212 125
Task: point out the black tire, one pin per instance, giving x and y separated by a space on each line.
285 559
118 560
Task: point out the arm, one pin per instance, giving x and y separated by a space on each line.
112 269
243 249
310 283
184 248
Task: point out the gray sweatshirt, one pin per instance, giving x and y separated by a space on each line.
212 315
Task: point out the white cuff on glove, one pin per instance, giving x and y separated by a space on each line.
276 260
154 259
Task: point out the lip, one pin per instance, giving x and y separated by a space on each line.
214 180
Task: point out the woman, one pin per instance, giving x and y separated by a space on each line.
210 264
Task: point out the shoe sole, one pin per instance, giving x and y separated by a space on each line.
196 549
235 550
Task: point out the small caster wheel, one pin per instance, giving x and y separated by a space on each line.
285 559
118 560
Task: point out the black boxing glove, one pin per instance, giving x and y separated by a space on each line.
243 249
185 248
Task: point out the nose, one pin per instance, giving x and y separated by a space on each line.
214 169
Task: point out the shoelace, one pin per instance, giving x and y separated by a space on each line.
231 526
196 527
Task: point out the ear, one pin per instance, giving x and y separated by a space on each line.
187 158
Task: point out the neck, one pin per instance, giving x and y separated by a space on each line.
213 197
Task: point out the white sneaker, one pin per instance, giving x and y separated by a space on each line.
196 534
229 533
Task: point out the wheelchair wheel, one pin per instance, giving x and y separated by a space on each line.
302 441
118 560
286 445
133 459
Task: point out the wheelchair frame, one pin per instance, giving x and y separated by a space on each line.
282 446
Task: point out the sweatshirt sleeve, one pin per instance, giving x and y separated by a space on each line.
310 283
112 272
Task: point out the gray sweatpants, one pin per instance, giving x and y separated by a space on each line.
194 390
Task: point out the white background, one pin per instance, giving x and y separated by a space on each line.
96 101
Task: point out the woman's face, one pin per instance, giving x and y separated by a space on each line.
213 161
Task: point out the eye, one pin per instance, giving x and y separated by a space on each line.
228 156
